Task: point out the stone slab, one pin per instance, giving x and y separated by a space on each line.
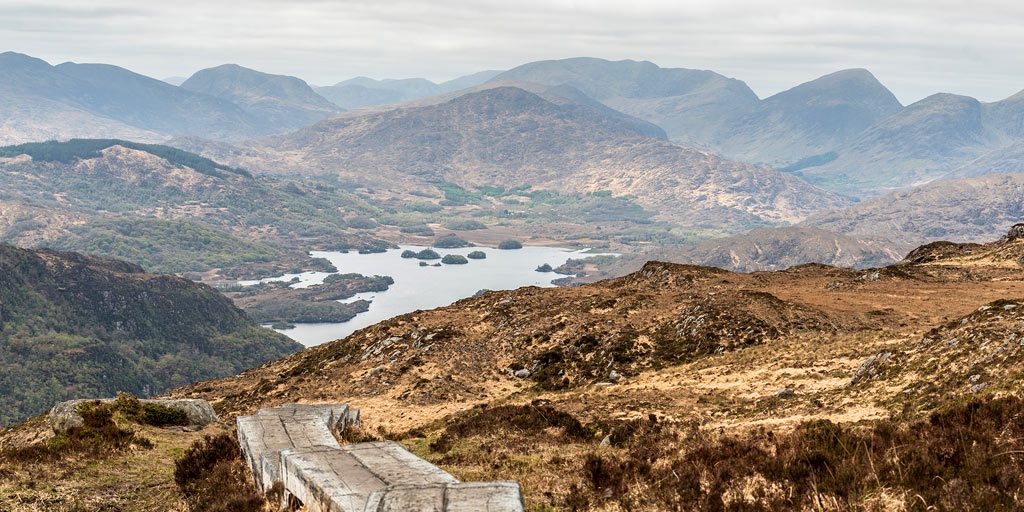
499 496
263 435
341 480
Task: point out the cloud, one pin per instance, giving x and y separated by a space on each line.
915 47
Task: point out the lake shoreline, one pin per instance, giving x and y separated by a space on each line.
423 287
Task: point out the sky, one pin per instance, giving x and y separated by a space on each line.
916 48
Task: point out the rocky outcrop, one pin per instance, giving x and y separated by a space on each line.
1017 231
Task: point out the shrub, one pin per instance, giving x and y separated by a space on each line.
425 207
148 414
520 419
544 268
451 241
510 244
454 259
408 254
213 478
963 457
428 254
362 222
417 229
477 255
465 225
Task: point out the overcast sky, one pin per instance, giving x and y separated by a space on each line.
914 47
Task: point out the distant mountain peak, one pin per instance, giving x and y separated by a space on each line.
286 101
855 84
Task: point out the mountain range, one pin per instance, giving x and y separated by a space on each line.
844 131
39 102
693 147
364 92
512 138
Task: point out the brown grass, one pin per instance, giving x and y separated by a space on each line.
98 437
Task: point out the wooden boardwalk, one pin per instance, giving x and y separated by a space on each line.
295 444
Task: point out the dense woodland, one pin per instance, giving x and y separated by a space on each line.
73 326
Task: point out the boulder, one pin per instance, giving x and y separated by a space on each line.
65 415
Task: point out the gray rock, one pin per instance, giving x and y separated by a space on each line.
614 377
785 393
65 415
870 367
522 374
1017 231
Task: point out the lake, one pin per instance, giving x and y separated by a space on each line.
419 287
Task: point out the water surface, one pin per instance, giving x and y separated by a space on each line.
419 287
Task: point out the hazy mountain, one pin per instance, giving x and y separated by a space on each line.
1008 115
809 119
509 137
175 80
155 105
37 102
77 326
687 103
922 142
872 233
364 92
1007 159
470 80
280 101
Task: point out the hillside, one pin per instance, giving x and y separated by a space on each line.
165 208
508 137
922 142
74 326
284 102
959 210
615 394
1004 160
782 248
675 366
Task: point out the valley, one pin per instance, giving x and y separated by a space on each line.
621 285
